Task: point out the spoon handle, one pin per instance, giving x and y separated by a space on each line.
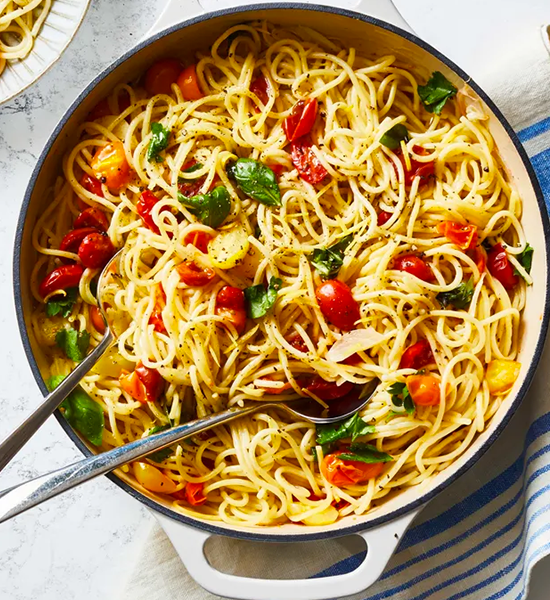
26 495
18 438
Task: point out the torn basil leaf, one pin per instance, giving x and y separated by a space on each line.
328 261
211 208
393 137
460 297
74 343
62 304
158 143
365 453
351 428
401 397
164 453
436 92
525 259
256 180
260 299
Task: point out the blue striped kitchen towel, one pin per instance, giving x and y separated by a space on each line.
482 536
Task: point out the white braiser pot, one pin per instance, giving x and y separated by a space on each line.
183 28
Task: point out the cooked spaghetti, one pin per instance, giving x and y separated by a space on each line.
296 219
20 23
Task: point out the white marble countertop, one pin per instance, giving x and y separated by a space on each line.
82 544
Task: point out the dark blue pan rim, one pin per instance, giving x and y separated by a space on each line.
247 12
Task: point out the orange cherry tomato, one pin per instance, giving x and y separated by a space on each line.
424 389
328 390
500 267
194 493
62 278
305 160
480 257
348 472
417 356
156 319
188 83
337 304
92 217
199 239
143 384
96 250
464 236
110 166
230 304
195 276
410 263
301 119
97 319
160 77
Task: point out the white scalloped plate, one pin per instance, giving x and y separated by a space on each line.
58 30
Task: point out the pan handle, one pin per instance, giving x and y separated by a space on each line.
183 10
381 544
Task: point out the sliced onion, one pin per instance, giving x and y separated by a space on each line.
470 105
352 342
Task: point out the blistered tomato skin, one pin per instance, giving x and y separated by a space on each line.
424 389
410 263
328 390
194 275
230 304
92 217
95 250
72 240
348 472
160 77
417 356
92 184
62 278
337 304
111 167
500 267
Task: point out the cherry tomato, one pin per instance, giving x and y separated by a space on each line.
144 206
417 356
110 165
72 240
348 472
188 83
304 159
260 86
97 319
153 479
230 304
337 304
424 170
480 258
194 493
192 187
277 390
410 263
383 218
92 217
102 108
160 77
464 236
95 250
297 342
152 380
301 119
193 275
328 390
354 359
156 319
62 278
91 184
199 239
276 168
424 389
500 267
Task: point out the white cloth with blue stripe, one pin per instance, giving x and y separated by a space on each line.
482 536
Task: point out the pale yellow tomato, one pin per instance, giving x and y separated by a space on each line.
501 375
153 479
229 247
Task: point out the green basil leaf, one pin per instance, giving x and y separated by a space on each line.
352 428
460 297
256 180
365 453
164 453
259 299
62 304
487 244
392 138
193 168
211 208
158 143
436 92
401 397
84 414
526 259
73 343
329 260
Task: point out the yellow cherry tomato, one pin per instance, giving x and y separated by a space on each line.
229 247
153 479
325 517
501 375
110 165
112 364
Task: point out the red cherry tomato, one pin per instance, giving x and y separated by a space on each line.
500 267
72 240
62 278
152 381
383 218
92 217
464 236
95 250
414 265
276 168
417 356
144 206
91 184
199 239
304 159
97 319
188 83
194 494
301 119
260 86
160 77
328 390
337 304
348 472
193 275
297 342
424 170
424 389
230 304
156 319
480 258
191 187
